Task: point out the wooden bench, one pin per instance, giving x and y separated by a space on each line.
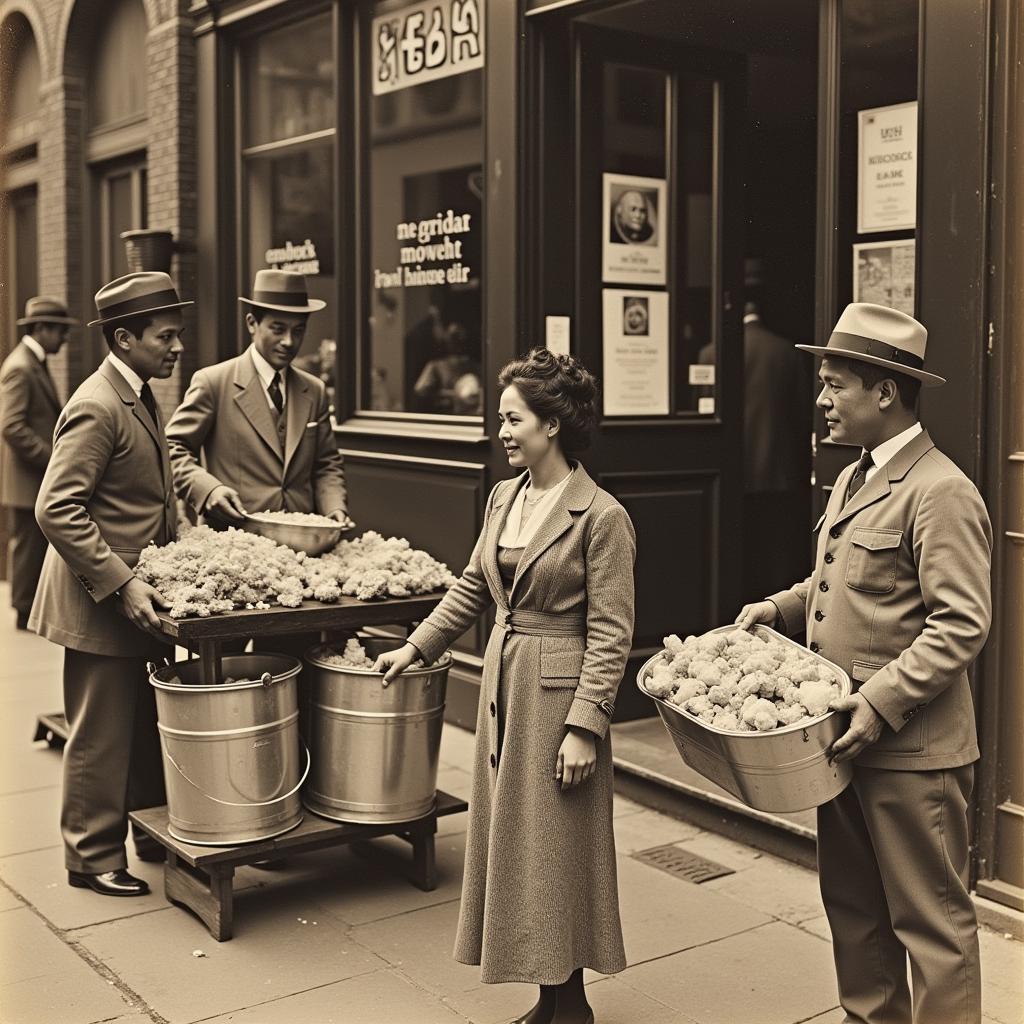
200 877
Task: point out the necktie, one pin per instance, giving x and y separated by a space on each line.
274 390
149 401
860 475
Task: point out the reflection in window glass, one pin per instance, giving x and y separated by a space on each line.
425 230
289 76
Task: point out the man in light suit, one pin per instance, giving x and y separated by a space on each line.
107 493
29 407
263 425
900 598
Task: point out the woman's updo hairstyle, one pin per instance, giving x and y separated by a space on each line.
556 387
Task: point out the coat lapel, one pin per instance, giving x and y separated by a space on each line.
500 509
45 380
252 403
298 409
578 494
128 396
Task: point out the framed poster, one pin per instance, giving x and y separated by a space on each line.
634 226
887 169
635 346
883 273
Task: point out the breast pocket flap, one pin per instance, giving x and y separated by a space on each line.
876 540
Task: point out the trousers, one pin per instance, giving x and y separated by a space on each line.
25 552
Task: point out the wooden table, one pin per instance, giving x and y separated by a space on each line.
200 877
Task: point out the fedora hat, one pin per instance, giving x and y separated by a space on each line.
882 336
284 290
151 291
44 309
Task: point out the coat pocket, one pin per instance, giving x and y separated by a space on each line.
871 564
910 739
561 663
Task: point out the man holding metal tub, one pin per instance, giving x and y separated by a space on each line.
900 598
107 494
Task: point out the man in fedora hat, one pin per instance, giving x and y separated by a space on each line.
263 425
29 407
900 599
106 494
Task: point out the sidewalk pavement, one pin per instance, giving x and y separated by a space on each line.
340 939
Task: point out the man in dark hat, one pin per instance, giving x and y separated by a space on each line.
105 496
900 598
29 407
263 425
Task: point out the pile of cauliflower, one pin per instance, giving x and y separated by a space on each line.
742 682
354 656
206 572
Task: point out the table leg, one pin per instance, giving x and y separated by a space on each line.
208 894
210 668
424 870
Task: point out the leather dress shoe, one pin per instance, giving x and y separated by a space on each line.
109 883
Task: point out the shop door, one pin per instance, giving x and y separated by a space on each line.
659 315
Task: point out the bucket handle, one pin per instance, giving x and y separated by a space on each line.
230 803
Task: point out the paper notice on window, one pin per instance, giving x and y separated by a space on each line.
887 169
636 375
556 334
883 273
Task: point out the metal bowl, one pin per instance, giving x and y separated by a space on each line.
311 538
780 771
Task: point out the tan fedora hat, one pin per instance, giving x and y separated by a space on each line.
44 309
881 336
284 290
150 291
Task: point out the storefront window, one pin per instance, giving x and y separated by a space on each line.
424 219
288 169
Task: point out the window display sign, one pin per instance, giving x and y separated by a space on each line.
636 373
301 258
883 273
427 41
635 220
887 169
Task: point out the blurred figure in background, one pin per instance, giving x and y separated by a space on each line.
29 407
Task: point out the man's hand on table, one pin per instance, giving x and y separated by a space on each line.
865 727
225 503
139 602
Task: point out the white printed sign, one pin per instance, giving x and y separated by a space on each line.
556 334
636 381
427 41
887 169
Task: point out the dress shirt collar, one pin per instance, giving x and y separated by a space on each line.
751 318
134 380
888 450
266 374
35 348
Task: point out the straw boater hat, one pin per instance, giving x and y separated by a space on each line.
135 295
43 309
882 336
284 290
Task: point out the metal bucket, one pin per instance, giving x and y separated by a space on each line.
780 771
374 751
231 751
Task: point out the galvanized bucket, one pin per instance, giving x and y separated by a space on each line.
231 751
374 750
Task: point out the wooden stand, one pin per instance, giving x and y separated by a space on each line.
200 877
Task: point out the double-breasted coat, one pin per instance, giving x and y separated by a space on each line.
225 416
540 894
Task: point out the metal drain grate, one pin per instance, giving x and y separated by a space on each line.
683 864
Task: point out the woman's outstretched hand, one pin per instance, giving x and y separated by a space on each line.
577 758
394 663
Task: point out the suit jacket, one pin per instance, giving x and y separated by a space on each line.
226 417
29 408
106 494
900 598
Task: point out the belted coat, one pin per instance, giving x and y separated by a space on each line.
540 893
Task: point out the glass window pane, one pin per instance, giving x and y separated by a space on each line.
289 78
120 217
425 228
634 130
291 227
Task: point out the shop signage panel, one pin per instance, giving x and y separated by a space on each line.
883 273
556 334
634 215
887 169
636 371
426 41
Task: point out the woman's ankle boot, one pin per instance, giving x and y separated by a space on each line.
543 1010
571 1006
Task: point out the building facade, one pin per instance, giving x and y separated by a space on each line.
669 192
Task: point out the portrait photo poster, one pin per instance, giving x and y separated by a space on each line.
883 273
634 229
635 345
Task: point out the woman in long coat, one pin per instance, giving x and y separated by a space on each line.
555 555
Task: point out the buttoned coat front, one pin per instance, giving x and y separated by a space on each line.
540 891
225 417
900 598
106 494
